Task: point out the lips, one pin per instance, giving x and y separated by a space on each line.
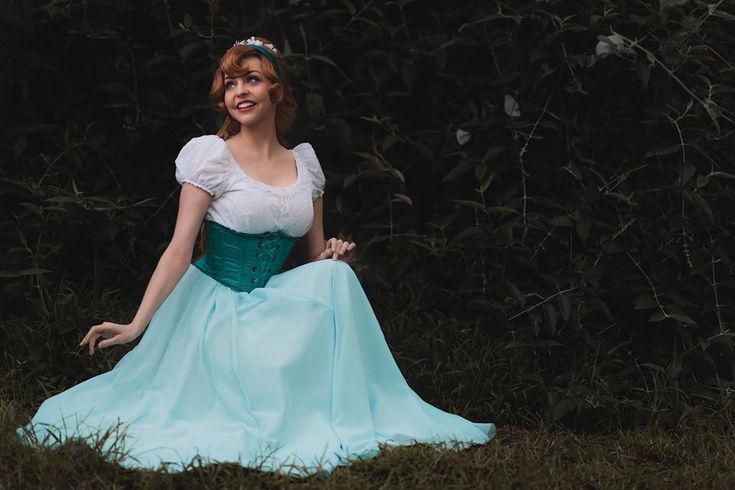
245 105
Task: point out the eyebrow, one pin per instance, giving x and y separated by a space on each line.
246 73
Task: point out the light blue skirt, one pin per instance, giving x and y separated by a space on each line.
294 377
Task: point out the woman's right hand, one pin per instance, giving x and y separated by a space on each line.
113 333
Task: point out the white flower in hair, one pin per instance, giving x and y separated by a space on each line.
255 42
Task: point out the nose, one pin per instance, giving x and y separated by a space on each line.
242 87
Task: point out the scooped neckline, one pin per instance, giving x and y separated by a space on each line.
291 186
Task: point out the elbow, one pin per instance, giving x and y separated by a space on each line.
177 256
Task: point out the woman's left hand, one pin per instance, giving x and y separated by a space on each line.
337 249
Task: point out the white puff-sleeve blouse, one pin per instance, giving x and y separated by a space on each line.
247 205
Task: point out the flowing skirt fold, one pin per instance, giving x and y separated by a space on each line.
294 377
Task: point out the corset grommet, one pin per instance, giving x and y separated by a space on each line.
242 261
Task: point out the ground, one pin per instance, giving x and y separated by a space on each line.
700 453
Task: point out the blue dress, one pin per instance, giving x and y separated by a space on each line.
285 372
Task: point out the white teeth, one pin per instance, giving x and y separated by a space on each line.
245 104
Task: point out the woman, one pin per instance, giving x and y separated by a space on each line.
285 371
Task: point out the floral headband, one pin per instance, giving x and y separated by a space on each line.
260 47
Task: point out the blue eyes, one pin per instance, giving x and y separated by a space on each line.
251 80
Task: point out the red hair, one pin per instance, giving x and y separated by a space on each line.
231 65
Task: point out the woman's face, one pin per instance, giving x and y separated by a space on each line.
247 97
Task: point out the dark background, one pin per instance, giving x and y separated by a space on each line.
542 192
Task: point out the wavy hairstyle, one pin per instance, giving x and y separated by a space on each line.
231 65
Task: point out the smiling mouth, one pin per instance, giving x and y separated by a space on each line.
245 105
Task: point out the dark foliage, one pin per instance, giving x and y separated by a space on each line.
542 192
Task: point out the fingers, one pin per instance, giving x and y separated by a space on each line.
330 247
117 339
97 331
335 247
86 337
338 248
346 247
92 340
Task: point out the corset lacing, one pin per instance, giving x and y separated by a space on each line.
243 261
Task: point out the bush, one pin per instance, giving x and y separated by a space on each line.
548 184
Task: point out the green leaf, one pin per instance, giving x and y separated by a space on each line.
657 317
189 49
682 317
462 136
511 106
324 59
645 302
565 306
583 229
551 316
462 168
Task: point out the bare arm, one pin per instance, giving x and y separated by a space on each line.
314 244
172 265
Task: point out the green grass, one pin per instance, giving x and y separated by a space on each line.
451 366
699 453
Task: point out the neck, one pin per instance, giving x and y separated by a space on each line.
260 139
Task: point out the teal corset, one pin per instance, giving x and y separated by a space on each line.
242 261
